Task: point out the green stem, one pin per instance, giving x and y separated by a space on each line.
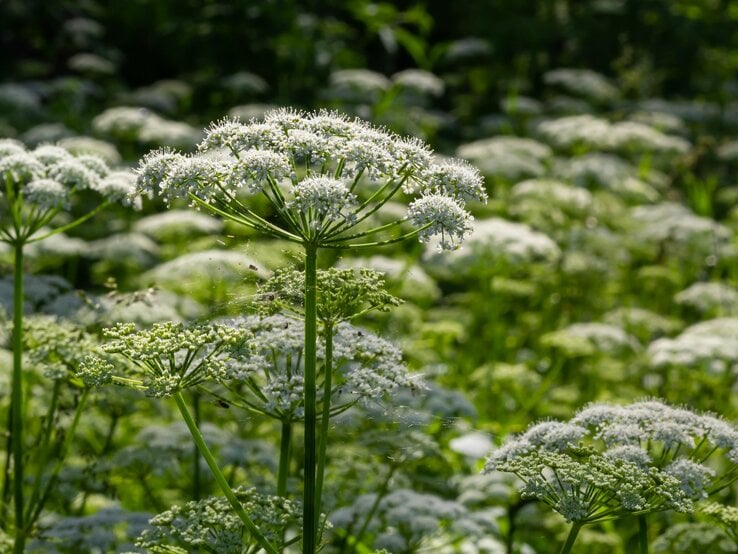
285 447
375 505
309 517
643 534
62 456
325 417
195 452
575 527
219 477
16 401
72 224
44 450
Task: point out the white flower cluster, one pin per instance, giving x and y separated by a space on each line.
682 538
178 223
550 205
510 158
419 81
608 172
709 298
404 519
495 239
323 199
311 167
642 323
612 461
358 84
582 82
48 177
365 367
142 125
711 345
92 147
595 133
209 266
673 225
592 338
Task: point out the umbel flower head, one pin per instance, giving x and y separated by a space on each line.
36 185
269 377
324 176
613 461
166 358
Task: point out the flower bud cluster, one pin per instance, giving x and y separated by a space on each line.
211 524
166 358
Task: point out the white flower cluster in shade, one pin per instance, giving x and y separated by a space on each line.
728 152
670 223
551 192
550 205
494 239
693 537
419 81
595 133
642 323
48 176
144 126
510 158
612 461
609 172
695 111
269 376
582 82
178 223
592 338
404 520
521 106
349 83
664 122
19 98
228 266
709 298
710 345
324 175
93 147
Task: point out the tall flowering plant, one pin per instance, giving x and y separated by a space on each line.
35 187
323 177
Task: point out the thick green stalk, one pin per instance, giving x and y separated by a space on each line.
16 400
309 517
575 527
284 458
285 448
325 418
220 478
642 534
